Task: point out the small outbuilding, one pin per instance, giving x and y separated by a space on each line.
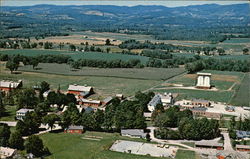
135 133
74 129
6 152
209 144
20 114
242 147
242 134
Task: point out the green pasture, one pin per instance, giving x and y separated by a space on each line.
242 93
133 73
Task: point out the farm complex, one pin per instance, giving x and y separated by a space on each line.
125 82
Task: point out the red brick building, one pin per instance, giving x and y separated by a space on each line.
74 129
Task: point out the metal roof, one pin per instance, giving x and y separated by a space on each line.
133 132
9 84
155 100
79 88
204 74
242 134
208 143
243 146
75 127
24 110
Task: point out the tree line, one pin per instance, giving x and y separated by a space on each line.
188 127
219 64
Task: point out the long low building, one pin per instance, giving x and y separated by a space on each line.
209 144
136 133
90 103
202 112
6 152
242 147
80 91
10 85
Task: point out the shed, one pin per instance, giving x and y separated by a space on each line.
136 133
74 129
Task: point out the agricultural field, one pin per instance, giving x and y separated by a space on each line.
242 94
64 146
133 73
94 38
103 86
76 55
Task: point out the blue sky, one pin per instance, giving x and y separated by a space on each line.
167 3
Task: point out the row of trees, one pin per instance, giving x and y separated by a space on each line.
133 44
219 64
188 128
132 63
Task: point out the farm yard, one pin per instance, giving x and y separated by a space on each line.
65 146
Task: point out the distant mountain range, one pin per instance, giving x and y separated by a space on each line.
112 18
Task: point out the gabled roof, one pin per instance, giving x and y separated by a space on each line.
24 110
242 134
208 143
90 101
6 151
133 132
200 101
243 146
75 127
9 84
108 99
155 100
79 88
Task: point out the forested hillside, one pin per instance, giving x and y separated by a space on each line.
202 22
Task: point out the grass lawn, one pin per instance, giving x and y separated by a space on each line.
134 73
65 146
241 97
10 113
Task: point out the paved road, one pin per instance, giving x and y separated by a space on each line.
227 142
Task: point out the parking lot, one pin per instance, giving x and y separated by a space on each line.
141 148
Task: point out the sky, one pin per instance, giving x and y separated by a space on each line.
167 3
